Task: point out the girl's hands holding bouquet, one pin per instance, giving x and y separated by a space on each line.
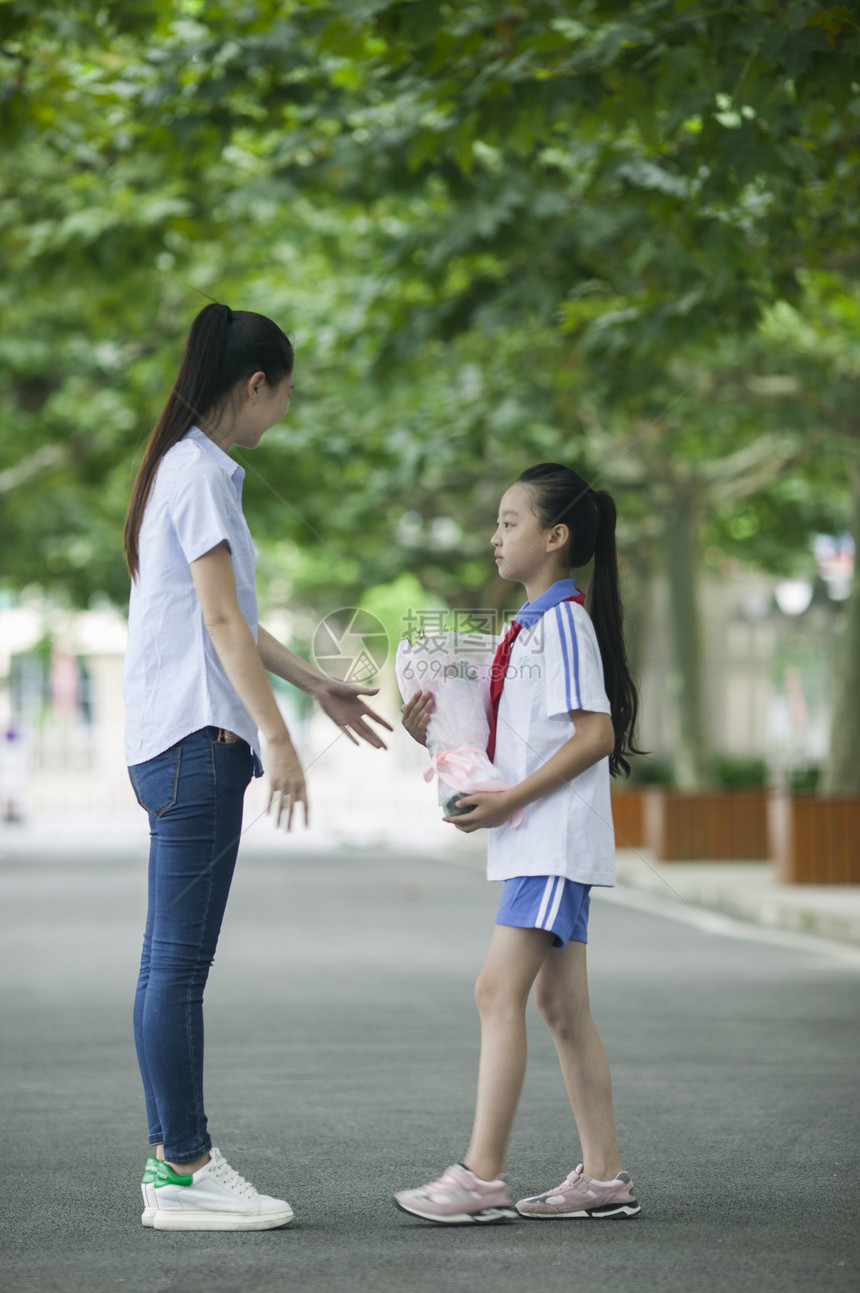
456 676
482 810
416 714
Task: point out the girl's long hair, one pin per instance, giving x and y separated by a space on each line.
224 347
560 496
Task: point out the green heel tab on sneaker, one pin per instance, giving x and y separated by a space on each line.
165 1175
150 1171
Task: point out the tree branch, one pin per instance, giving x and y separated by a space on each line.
777 454
44 459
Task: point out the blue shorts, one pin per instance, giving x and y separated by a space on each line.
547 902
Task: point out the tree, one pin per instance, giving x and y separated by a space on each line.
659 174
576 205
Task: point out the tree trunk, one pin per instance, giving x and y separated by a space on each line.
842 771
680 517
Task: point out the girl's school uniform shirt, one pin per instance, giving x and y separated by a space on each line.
555 668
174 682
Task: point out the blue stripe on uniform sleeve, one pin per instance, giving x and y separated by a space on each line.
570 655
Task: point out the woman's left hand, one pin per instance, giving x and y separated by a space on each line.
344 706
491 808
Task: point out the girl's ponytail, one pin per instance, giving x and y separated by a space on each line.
563 497
605 609
224 347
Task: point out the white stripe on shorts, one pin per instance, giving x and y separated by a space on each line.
550 881
556 903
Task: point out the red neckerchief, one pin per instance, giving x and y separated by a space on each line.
500 667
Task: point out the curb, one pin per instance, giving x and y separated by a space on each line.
748 892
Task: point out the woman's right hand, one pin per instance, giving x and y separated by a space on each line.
286 781
416 713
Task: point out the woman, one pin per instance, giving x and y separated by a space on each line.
196 692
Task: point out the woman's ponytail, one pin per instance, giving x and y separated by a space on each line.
223 348
563 497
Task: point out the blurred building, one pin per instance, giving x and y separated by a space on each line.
767 651
61 709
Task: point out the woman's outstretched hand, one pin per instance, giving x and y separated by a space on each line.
287 786
416 714
344 706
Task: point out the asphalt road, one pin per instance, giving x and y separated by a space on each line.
341 1058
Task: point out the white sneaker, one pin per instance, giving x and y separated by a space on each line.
147 1189
214 1198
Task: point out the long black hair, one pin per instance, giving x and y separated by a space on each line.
224 347
561 497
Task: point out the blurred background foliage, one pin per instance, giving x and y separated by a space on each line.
620 235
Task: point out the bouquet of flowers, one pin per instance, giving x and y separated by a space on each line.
455 668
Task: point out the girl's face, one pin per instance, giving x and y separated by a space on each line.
519 540
525 550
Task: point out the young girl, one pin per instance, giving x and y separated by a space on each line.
196 692
564 712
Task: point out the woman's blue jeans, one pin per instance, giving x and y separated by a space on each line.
193 793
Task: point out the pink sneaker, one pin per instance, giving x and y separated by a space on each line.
458 1198
581 1196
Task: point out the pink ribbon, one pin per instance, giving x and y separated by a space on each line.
453 768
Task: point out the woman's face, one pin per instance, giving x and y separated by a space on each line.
261 407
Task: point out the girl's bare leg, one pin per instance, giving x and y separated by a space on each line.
501 992
561 994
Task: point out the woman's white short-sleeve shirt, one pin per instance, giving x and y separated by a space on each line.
174 682
555 668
